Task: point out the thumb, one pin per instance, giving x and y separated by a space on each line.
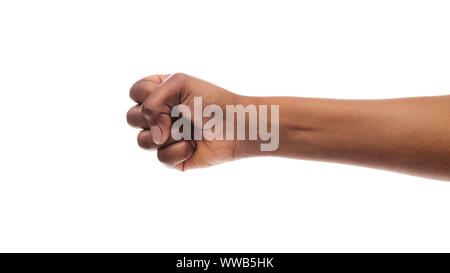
158 106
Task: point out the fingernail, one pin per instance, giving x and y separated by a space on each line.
156 134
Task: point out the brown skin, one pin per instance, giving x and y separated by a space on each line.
408 135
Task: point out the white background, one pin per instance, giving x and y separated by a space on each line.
72 177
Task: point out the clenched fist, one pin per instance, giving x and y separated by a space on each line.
156 96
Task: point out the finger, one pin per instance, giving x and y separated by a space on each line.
145 141
157 106
175 154
135 118
142 88
158 78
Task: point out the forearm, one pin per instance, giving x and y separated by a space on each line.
410 135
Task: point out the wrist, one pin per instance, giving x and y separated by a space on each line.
266 125
296 125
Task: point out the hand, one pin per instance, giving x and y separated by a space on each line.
156 95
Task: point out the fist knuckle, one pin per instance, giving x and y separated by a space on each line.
130 117
142 140
163 156
134 94
179 77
